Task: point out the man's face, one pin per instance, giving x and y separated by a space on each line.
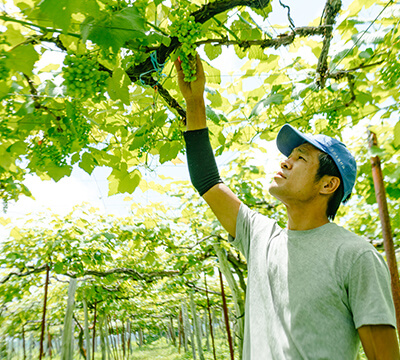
295 182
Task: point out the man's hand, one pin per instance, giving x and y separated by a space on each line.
191 90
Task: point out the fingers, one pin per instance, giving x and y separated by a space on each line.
200 69
193 86
199 63
177 64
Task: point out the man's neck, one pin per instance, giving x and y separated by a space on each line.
305 217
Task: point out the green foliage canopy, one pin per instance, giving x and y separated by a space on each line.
350 74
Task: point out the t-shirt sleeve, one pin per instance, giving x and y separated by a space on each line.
370 295
249 224
243 226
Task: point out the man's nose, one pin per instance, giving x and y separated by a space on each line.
286 164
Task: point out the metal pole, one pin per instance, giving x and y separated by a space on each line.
386 228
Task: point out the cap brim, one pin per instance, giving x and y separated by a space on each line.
289 138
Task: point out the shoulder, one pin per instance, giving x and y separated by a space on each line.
352 250
349 241
254 219
252 228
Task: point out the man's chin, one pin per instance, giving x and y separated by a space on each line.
273 190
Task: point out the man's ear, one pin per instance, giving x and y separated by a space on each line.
329 184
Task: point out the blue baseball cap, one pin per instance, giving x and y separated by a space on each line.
289 138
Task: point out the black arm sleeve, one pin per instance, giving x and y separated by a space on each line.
201 161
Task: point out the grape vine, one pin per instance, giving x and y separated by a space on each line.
83 79
187 30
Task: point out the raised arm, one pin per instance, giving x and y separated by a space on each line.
202 167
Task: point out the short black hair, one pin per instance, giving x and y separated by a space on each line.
328 167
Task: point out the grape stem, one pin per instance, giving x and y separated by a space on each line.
34 94
35 26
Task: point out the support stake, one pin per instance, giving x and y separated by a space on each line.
228 330
46 287
386 228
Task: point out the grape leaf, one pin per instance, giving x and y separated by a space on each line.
169 151
114 30
262 104
60 11
397 134
58 267
88 162
22 58
121 180
212 51
214 116
13 35
4 88
118 86
58 172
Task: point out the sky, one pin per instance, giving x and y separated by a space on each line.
81 187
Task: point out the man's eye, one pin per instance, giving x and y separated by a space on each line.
300 157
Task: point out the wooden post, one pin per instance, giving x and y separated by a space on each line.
46 288
49 343
172 330
228 330
180 332
206 331
386 228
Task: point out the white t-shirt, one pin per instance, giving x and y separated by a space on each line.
309 291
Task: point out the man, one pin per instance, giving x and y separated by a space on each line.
314 289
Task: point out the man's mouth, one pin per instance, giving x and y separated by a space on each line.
280 174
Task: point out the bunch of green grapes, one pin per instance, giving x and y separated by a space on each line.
187 30
43 151
4 70
79 128
83 78
67 136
